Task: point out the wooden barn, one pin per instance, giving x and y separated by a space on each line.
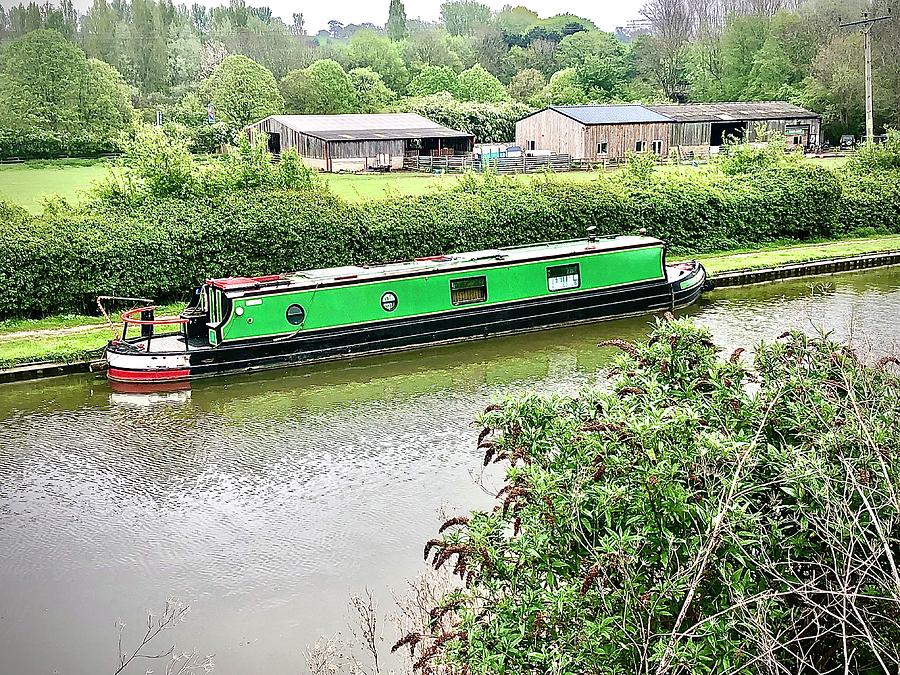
601 132
359 142
594 132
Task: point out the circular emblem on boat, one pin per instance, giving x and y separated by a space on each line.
389 301
295 315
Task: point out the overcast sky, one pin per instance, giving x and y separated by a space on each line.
605 13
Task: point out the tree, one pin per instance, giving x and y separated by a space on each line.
540 54
664 54
366 49
395 27
372 95
477 84
527 84
462 17
241 91
44 72
516 20
430 48
323 88
564 88
433 79
57 98
147 47
600 62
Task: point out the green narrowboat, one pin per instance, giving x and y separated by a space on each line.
249 323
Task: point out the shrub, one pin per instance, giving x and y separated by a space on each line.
877 156
693 517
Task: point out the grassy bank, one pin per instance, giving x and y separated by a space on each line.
67 338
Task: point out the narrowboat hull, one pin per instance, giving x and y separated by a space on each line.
128 363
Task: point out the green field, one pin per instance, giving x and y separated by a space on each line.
27 184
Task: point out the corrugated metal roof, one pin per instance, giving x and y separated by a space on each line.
387 126
610 114
727 112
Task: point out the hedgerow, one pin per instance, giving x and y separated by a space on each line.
697 515
148 236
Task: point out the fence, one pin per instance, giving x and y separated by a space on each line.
522 164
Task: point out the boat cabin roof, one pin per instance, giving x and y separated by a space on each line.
439 263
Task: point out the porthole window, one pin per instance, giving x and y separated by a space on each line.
295 315
389 301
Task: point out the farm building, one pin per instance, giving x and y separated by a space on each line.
358 142
599 132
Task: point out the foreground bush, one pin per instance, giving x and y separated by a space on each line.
693 517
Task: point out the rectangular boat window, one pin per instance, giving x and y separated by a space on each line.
563 277
469 290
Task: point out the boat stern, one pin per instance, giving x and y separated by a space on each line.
688 281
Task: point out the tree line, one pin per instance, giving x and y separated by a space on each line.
474 67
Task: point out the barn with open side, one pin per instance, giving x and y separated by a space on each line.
602 132
359 142
709 125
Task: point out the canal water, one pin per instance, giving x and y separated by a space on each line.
264 501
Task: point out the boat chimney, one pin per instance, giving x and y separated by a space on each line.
642 231
592 233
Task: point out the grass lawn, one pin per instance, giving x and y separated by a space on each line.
771 257
28 183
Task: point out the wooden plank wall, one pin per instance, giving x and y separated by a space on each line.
307 146
691 134
552 131
622 138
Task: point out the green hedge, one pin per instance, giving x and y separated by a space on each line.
63 259
42 144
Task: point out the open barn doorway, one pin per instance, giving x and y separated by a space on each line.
274 144
727 131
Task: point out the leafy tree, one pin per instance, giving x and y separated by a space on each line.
600 62
837 85
477 84
323 88
491 50
44 72
527 84
372 95
366 49
395 27
429 47
488 122
516 20
564 88
462 17
104 99
433 79
540 54
147 46
242 91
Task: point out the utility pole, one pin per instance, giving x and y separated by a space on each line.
866 23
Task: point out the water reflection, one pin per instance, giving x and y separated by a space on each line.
264 500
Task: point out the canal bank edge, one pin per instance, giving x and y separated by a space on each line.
725 279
